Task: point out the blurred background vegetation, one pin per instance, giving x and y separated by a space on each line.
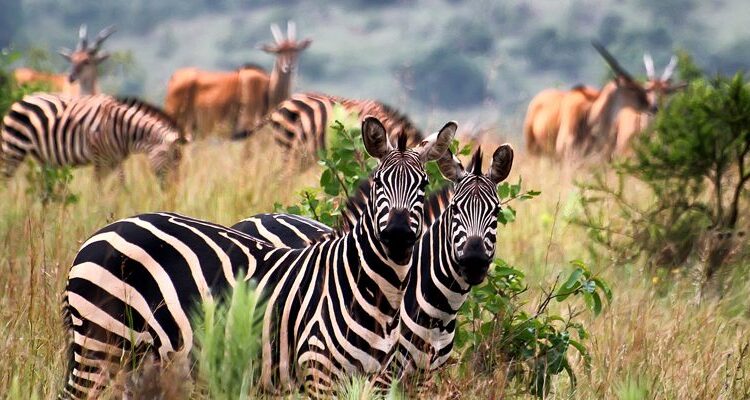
477 60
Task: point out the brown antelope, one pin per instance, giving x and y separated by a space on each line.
590 126
631 122
57 83
85 60
203 101
542 121
82 78
554 111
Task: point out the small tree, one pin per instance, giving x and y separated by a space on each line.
695 161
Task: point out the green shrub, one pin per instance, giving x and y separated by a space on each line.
694 164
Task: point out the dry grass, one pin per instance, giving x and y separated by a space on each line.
650 343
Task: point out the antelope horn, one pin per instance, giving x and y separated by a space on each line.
276 32
649 63
82 37
102 36
669 70
616 67
291 30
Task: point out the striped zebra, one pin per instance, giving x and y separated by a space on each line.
453 255
134 283
300 122
60 130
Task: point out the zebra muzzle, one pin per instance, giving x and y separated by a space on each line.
474 262
397 237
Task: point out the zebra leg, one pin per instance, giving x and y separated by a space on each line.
11 157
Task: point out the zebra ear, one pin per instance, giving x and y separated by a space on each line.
450 166
375 137
502 160
435 145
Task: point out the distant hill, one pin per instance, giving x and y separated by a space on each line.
475 61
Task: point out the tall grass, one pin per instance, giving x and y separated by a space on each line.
652 339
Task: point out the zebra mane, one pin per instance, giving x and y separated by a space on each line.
400 118
434 204
149 109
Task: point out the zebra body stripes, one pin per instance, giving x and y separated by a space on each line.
300 122
325 302
453 254
59 130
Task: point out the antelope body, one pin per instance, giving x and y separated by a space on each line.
585 121
226 102
82 79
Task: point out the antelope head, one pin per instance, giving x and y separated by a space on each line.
631 92
659 88
85 59
287 49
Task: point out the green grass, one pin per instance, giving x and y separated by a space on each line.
652 338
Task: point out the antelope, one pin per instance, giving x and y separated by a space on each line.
594 125
82 78
201 101
629 121
543 118
57 83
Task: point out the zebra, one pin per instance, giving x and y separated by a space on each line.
453 255
59 130
300 122
138 279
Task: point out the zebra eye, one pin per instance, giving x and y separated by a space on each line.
423 184
497 210
454 208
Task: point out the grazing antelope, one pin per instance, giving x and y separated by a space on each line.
206 102
589 126
631 122
82 78
57 83
629 106
543 118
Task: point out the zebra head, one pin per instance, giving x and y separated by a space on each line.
472 212
398 185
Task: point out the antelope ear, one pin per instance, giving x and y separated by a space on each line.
304 44
502 160
375 137
101 57
676 88
268 48
435 145
66 53
450 166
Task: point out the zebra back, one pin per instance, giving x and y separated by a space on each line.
61 130
302 121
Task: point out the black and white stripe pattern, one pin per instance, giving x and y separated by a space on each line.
330 305
453 255
60 130
301 122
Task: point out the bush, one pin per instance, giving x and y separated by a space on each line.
694 164
446 79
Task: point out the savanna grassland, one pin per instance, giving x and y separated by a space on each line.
654 340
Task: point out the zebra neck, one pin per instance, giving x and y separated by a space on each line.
434 279
371 260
